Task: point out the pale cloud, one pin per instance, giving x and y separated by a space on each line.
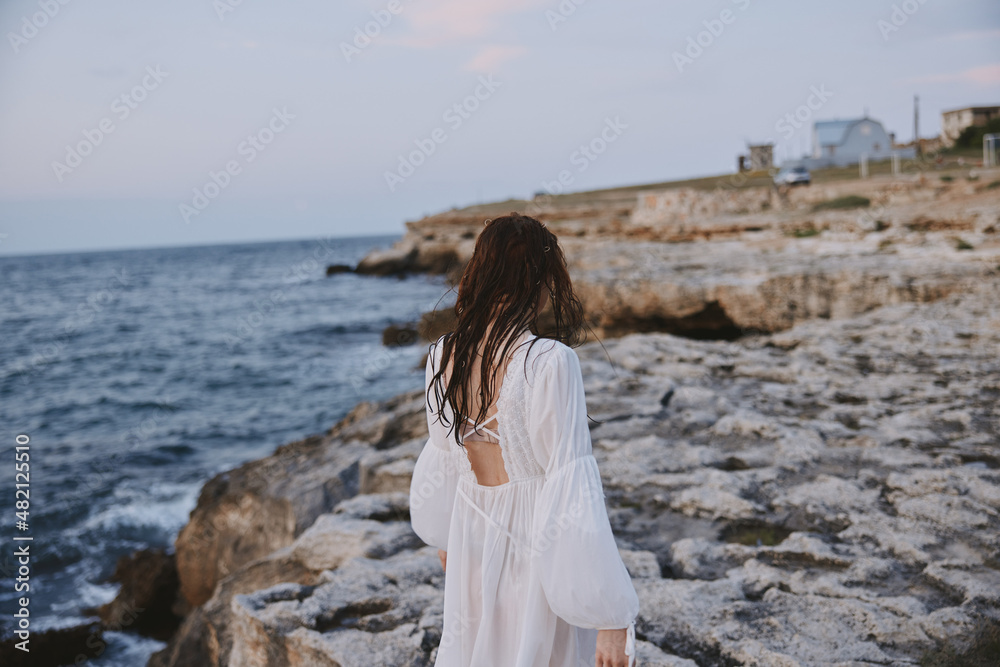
491 57
986 75
435 23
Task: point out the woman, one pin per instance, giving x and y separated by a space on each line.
507 486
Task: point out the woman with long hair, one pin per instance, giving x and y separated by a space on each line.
506 486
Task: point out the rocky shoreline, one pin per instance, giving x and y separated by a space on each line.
829 494
797 431
721 263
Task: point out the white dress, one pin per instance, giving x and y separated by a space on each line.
533 568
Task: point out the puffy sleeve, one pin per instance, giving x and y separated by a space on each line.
582 573
435 477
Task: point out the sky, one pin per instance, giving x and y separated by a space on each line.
129 124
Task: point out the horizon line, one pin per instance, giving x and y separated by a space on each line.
192 245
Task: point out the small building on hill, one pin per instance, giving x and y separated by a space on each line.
956 120
838 143
761 158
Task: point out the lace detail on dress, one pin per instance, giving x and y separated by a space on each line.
511 423
465 465
512 407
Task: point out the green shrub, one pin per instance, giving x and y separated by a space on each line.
962 244
993 186
947 178
850 201
972 136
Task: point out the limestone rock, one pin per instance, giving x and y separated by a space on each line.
247 513
334 538
640 564
828 495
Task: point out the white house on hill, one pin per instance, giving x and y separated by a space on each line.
843 142
956 120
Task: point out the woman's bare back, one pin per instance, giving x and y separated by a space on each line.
482 446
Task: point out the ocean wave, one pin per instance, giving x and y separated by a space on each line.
145 398
162 506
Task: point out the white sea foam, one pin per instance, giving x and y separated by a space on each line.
163 506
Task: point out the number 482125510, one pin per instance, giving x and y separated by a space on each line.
22 472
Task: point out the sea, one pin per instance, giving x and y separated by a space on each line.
135 376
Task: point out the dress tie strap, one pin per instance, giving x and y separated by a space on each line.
486 516
630 644
482 427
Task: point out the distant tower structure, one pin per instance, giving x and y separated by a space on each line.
916 123
761 156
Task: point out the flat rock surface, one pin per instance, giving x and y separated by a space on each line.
824 495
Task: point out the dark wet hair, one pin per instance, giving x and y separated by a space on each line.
515 258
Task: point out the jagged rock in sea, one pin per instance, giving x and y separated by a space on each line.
334 269
147 600
827 494
54 646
